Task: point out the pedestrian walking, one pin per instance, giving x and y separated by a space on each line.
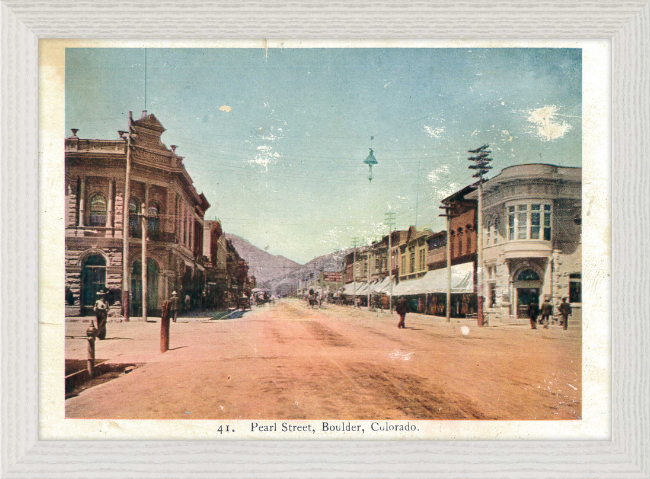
565 311
533 312
187 302
174 306
402 308
101 314
547 312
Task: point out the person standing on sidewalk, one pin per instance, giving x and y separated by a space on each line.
101 314
547 312
174 306
533 312
565 311
401 308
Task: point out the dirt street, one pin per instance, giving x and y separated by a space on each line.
291 362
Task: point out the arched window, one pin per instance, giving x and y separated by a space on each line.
153 230
460 241
98 210
528 275
135 228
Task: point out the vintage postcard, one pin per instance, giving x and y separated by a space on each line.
304 240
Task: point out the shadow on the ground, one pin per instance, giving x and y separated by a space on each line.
174 349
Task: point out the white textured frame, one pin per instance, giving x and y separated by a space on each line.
627 23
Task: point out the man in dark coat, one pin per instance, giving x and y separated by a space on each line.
565 311
101 314
533 312
174 306
547 312
402 308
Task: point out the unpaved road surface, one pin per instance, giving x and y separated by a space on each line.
290 362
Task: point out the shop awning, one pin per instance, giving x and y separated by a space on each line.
349 289
436 282
383 287
462 279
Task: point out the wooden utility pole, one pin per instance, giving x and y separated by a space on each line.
390 221
481 164
125 220
354 269
144 261
369 259
449 216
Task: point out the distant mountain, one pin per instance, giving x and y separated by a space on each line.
264 266
307 273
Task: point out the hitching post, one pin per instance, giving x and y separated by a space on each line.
164 327
90 333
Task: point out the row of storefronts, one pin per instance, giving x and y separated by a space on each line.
162 202
532 249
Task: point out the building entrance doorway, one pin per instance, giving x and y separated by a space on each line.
527 287
525 296
93 280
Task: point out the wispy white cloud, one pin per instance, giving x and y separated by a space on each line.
265 157
441 172
547 125
434 132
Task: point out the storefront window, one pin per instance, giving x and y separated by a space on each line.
575 288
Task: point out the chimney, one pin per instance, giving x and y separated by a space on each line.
173 147
74 132
144 113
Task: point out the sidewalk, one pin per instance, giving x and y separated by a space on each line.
136 341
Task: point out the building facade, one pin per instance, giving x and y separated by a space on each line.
532 247
413 254
96 210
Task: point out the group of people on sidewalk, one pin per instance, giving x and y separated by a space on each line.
401 308
547 312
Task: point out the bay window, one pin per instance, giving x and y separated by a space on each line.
529 221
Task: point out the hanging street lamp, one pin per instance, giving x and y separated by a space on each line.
371 160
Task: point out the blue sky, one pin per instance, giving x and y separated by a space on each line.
276 138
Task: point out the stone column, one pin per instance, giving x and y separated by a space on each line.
68 194
547 288
82 199
183 222
109 213
191 239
